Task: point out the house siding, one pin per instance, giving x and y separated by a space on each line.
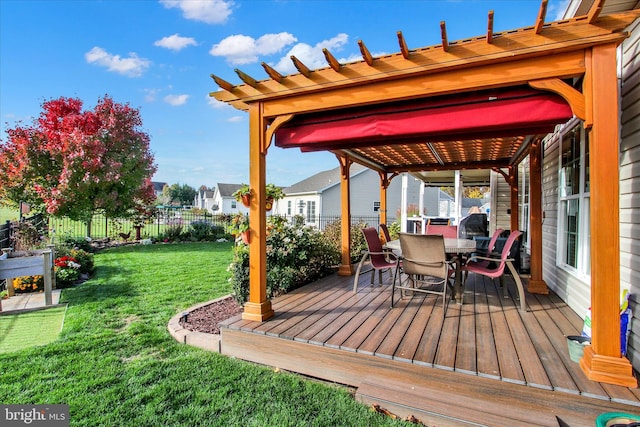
502 196
630 181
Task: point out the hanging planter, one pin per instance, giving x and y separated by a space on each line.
243 194
239 226
272 193
245 236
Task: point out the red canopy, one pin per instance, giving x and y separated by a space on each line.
521 111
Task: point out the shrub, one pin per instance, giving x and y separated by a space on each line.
26 284
201 230
85 259
333 233
296 255
173 233
27 236
67 271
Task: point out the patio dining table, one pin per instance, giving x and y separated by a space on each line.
458 248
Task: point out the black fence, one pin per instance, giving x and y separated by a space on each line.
8 229
164 220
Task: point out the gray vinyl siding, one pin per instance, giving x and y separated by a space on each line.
630 182
502 203
573 290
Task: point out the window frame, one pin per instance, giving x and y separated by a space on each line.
582 269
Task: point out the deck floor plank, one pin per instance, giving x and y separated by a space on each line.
487 355
447 346
407 348
523 349
379 303
391 342
532 367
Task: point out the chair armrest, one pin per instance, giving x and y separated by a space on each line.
483 258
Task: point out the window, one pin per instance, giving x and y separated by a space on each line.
376 206
233 204
289 207
311 211
523 194
573 216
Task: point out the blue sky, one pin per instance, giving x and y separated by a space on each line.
157 56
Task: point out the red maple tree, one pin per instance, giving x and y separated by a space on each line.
73 163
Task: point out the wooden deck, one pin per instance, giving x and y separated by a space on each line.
483 362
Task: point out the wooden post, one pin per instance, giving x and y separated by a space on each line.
258 307
536 285
345 269
46 259
602 360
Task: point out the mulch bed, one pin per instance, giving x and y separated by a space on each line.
207 318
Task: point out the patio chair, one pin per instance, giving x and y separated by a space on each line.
448 231
385 232
493 267
379 258
424 261
490 248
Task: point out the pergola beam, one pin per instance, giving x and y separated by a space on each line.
366 55
333 62
541 15
443 36
403 45
490 27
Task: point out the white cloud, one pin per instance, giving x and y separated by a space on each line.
235 119
209 11
150 95
311 56
175 42
240 49
218 105
176 100
133 66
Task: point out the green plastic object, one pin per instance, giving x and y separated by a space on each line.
609 419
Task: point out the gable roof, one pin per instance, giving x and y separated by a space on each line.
226 190
322 180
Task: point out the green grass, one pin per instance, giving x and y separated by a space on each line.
8 214
116 364
20 331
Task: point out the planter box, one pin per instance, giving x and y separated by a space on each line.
29 266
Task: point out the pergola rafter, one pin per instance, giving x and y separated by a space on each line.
573 58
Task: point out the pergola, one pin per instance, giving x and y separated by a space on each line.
480 103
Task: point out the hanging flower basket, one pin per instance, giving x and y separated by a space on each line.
268 204
246 200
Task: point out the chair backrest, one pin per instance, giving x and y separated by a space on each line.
374 245
449 231
494 239
385 232
423 254
508 244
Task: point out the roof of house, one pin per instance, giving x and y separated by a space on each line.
158 186
322 180
226 190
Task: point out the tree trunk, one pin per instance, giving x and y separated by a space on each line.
89 227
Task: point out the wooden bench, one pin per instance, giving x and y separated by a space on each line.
39 264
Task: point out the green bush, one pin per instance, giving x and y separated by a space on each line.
333 233
296 255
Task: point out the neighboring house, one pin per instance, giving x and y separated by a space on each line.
205 200
157 187
224 202
319 196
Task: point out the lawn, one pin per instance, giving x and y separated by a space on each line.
115 364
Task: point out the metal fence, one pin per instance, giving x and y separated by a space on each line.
165 219
9 228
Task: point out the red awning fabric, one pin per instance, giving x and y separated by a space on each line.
521 111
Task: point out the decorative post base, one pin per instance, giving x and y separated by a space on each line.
607 369
258 312
345 270
538 287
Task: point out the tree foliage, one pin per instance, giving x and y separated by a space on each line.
178 194
72 163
